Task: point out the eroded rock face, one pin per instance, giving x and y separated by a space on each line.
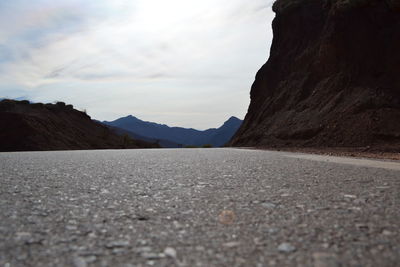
332 79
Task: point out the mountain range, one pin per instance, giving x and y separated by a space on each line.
170 137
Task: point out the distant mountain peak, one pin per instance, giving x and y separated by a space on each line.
178 135
233 118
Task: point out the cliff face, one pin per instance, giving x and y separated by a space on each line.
332 79
27 127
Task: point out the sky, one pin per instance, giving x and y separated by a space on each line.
184 63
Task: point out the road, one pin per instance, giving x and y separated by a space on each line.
197 207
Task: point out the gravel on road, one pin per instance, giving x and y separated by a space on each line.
195 207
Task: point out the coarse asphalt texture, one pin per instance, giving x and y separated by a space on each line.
197 207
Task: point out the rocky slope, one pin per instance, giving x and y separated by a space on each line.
28 127
332 78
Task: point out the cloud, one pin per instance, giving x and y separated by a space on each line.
192 50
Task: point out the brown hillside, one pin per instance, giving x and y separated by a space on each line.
27 127
332 79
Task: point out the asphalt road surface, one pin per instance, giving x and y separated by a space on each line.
197 207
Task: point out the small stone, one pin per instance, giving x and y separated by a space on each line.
227 217
79 262
177 224
118 250
350 196
360 201
152 256
272 230
383 187
354 208
362 226
142 242
71 227
90 259
268 205
286 247
117 244
258 241
272 262
143 249
231 244
322 259
170 252
104 191
23 236
326 245
387 232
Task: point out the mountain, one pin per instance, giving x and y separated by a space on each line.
177 135
161 142
332 78
224 134
28 127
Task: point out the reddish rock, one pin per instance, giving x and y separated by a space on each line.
332 79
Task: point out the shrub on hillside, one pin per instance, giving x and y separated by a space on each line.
37 105
60 104
281 5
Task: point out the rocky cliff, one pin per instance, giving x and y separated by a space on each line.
26 127
332 79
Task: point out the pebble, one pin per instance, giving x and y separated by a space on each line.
322 259
116 244
170 252
90 259
79 262
143 249
199 248
272 230
227 217
362 226
23 235
104 191
231 244
387 232
286 247
71 227
268 205
152 256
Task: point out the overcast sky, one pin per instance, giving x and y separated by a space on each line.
180 62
